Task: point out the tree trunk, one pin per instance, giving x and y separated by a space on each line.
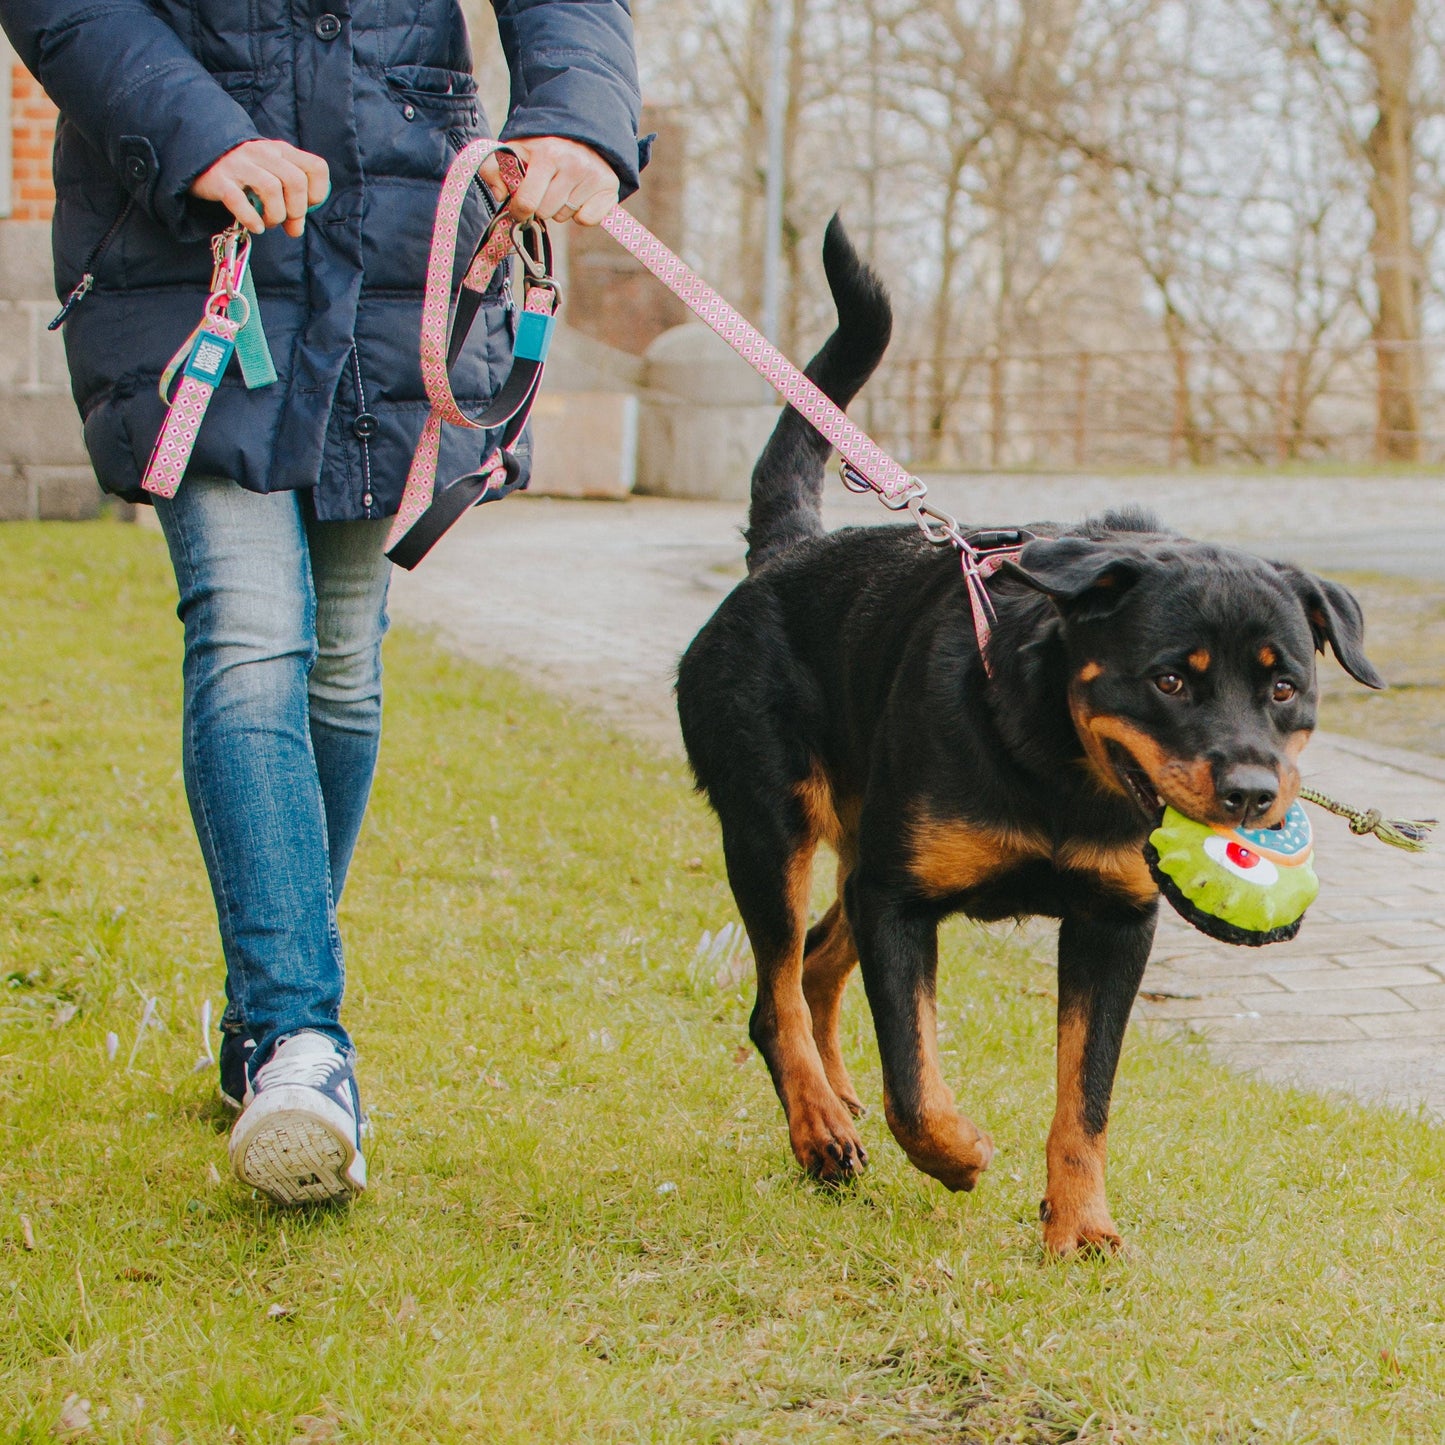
1390 150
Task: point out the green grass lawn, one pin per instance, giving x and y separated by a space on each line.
584 1221
1404 628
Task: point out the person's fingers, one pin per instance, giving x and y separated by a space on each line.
267 187
232 195
528 196
557 197
318 176
491 174
295 187
597 208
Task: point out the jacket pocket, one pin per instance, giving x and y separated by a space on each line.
449 93
240 85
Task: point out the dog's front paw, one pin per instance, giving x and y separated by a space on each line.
951 1148
1071 1227
825 1142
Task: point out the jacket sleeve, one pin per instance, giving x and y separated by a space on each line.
125 80
574 74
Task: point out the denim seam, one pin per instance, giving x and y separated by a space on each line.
333 928
236 976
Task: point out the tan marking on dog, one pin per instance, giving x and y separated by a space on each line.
1119 868
1199 659
949 855
820 1128
1268 657
1096 758
827 967
831 818
1185 783
1090 670
940 1140
1289 776
1075 1208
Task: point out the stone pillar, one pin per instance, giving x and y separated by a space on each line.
610 296
705 416
44 471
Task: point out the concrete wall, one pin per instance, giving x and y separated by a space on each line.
44 471
705 416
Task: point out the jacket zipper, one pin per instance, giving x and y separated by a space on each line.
459 141
87 278
363 434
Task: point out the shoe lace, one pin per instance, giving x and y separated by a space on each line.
312 1069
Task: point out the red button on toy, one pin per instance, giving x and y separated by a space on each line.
1240 856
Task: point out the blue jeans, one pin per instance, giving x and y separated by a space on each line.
284 618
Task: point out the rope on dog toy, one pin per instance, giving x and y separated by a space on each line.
1412 834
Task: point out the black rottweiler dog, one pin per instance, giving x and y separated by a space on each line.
838 695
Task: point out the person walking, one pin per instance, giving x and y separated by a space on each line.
339 117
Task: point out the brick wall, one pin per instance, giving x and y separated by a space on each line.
32 124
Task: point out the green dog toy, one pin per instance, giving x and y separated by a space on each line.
1252 885
1240 885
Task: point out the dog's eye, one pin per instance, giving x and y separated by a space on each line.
1283 689
1169 683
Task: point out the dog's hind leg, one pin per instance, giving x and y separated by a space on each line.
828 961
898 946
770 869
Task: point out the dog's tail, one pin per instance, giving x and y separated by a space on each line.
787 489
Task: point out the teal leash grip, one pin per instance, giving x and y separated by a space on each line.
252 348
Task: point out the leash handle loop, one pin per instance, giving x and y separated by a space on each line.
443 330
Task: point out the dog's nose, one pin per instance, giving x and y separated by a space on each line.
1247 792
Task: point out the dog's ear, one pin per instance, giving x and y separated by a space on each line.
1334 617
1084 578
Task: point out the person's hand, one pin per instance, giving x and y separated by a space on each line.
287 182
565 181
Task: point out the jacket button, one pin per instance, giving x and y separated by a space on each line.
328 27
136 168
409 111
365 426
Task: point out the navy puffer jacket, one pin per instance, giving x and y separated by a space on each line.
152 92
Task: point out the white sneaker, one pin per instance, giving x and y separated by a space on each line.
299 1138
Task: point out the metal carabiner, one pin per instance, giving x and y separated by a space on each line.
230 253
534 263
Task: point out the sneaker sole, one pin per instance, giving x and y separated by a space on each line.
296 1155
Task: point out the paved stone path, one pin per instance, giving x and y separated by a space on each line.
596 600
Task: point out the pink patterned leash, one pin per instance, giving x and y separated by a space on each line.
427 511
202 360
865 466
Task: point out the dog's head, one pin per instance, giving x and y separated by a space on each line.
1192 667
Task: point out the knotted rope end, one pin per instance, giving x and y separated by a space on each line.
1411 834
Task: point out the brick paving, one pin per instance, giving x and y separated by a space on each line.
597 600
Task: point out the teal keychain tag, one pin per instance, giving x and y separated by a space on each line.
209 355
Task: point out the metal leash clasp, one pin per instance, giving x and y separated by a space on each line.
230 255
864 485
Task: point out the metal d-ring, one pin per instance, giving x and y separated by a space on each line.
226 302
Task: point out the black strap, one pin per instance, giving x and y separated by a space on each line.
446 507
510 408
